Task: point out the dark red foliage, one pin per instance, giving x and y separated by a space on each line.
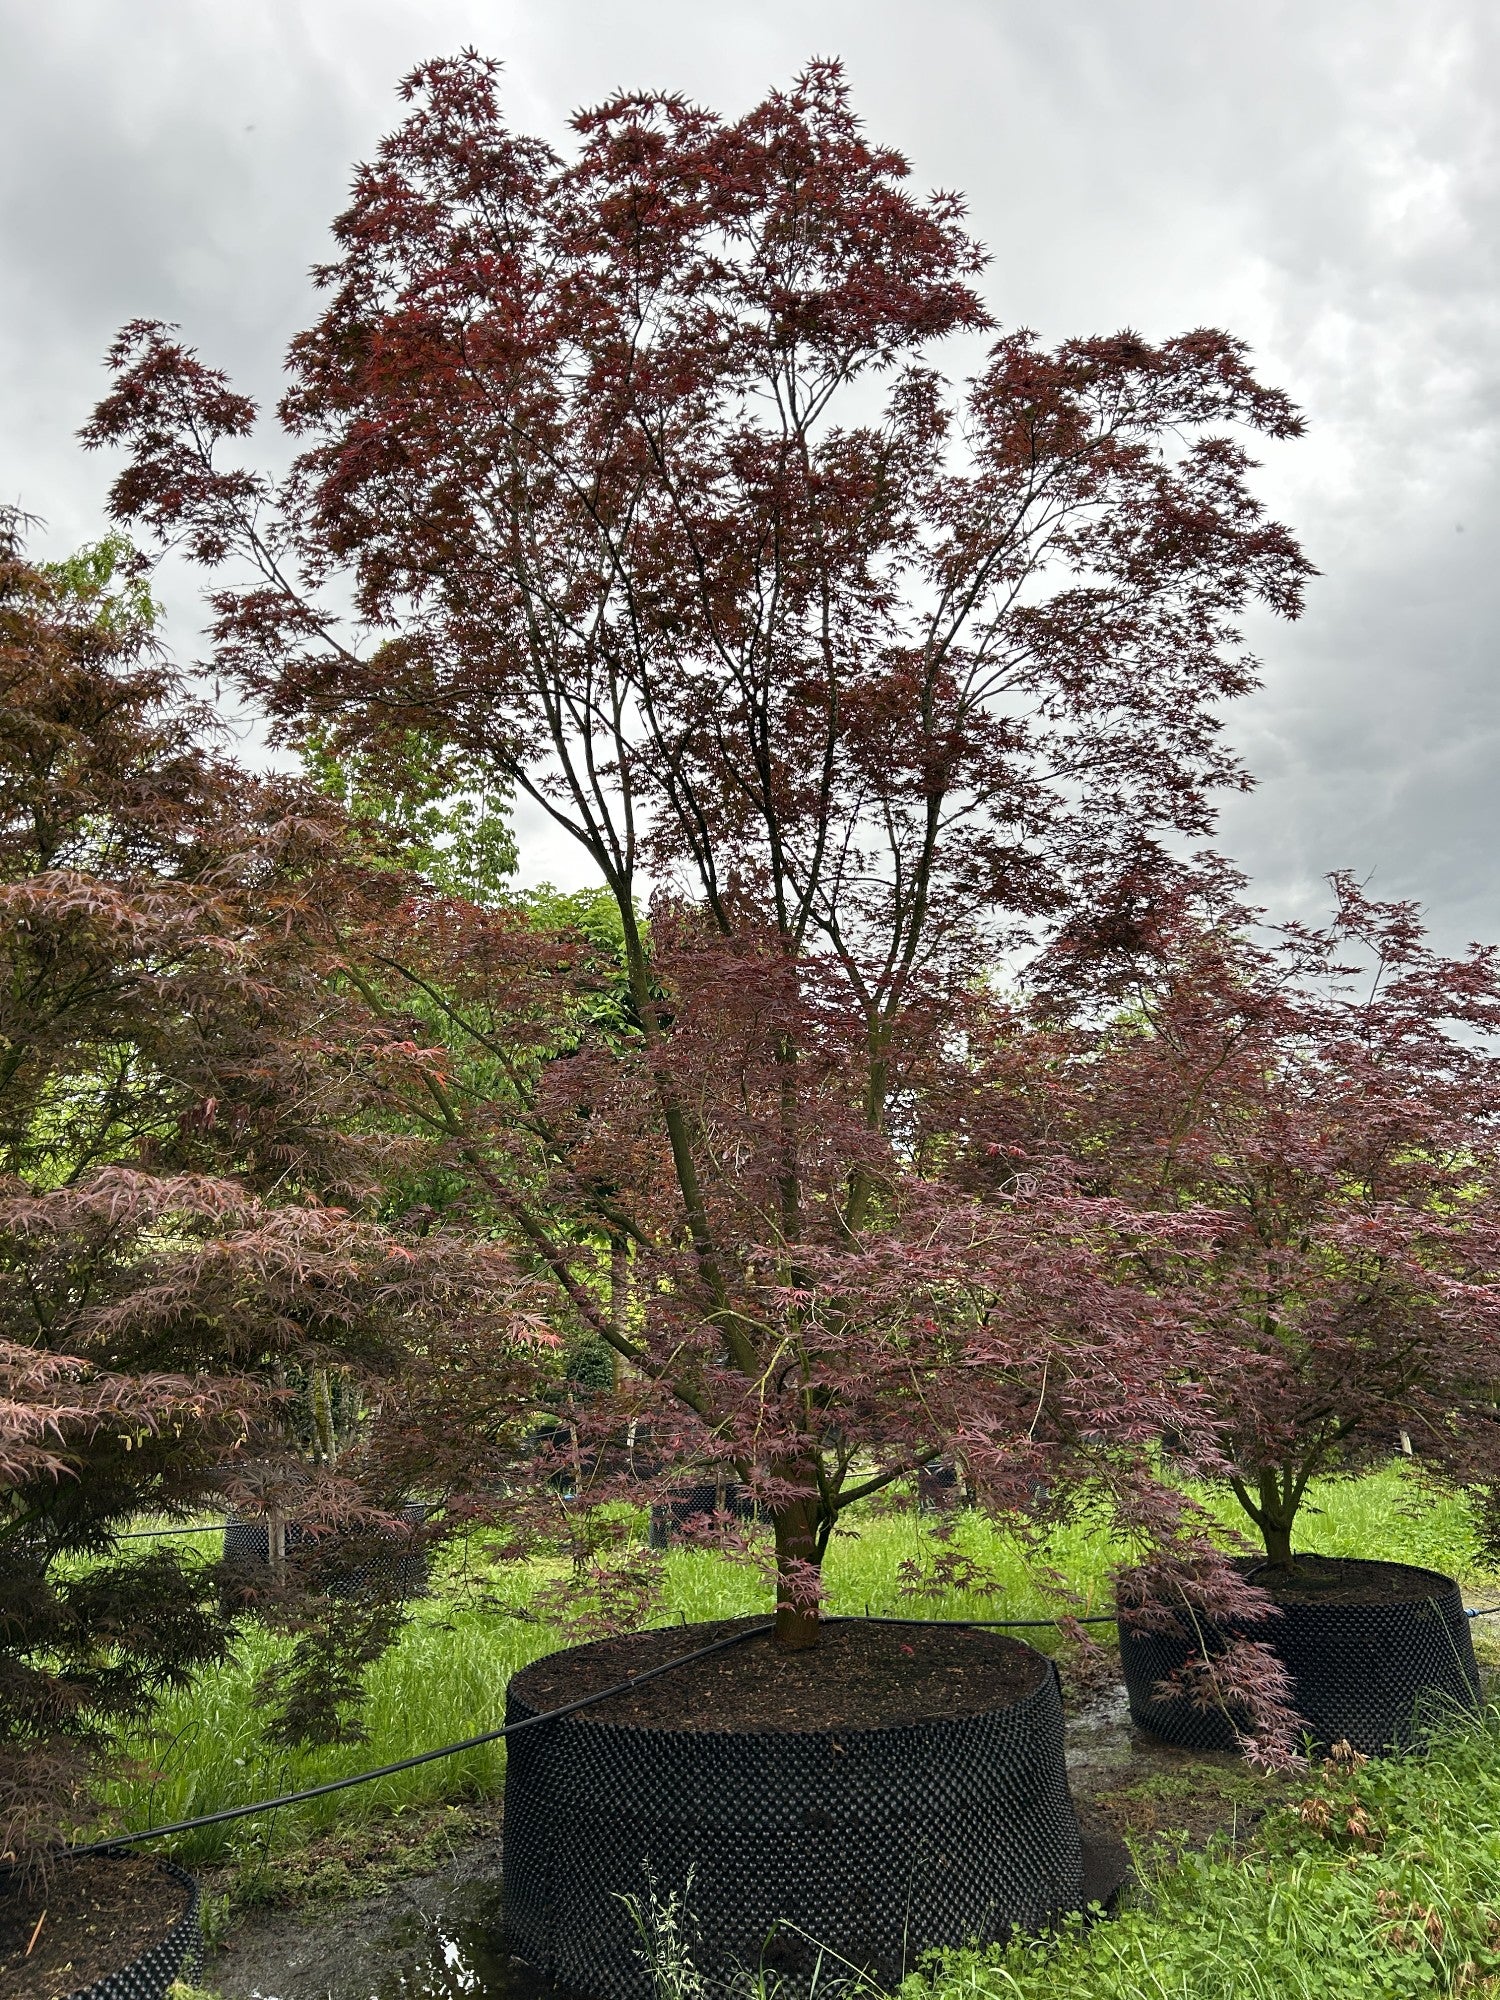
639 470
192 1175
1328 1101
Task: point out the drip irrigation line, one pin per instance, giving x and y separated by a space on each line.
150 1534
1108 1618
509 1729
422 1756
1007 1624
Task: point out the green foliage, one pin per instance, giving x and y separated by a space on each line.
107 577
448 815
594 915
1381 1881
1392 1513
589 1364
444 1679
315 1695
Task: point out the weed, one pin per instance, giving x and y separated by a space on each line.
1378 1883
669 1940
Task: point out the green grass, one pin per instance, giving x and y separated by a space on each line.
1382 1882
1387 1514
446 1677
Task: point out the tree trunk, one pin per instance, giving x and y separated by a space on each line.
320 1395
619 1298
276 1545
798 1625
1275 1522
1278 1540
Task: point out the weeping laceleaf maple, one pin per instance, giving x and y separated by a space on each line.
1329 1099
192 1176
639 472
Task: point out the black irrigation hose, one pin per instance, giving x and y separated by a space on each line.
422 1756
1009 1624
550 1715
1106 1618
509 1729
151 1534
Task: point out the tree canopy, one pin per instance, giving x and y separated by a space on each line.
653 506
194 1178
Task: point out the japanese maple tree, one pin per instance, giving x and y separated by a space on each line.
194 1193
650 502
1329 1098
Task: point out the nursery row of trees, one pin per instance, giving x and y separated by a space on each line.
900 1095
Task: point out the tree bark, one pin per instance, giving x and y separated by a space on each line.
798 1624
1275 1522
619 1298
276 1545
321 1398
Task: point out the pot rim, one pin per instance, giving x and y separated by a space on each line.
590 1718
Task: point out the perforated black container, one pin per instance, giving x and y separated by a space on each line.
1372 1675
707 1497
873 1843
151 1975
404 1571
938 1487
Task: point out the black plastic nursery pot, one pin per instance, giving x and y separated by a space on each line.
938 1487
1376 1652
707 1497
897 1788
404 1571
112 1927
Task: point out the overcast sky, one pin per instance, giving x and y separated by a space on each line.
1320 176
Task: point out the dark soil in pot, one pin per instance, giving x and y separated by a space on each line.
111 1927
1376 1651
897 1788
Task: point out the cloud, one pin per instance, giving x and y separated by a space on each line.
1320 179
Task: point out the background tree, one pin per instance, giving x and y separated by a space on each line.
191 1184
1328 1100
644 484
436 812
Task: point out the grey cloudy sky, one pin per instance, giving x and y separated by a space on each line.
1318 175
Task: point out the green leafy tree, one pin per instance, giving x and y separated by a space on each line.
446 815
